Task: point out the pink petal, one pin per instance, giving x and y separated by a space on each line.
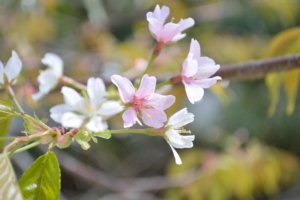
161 102
195 50
13 66
194 92
1 73
206 67
147 86
153 117
183 25
169 31
189 67
208 82
129 117
125 88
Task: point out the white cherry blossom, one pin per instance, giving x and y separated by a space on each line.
11 70
92 110
49 78
174 128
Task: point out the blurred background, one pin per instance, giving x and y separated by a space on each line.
247 132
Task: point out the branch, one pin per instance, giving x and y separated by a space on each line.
257 69
101 180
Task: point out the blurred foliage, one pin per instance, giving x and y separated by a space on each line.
239 172
103 37
287 42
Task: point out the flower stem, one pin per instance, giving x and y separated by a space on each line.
24 148
154 55
151 132
7 138
14 98
72 83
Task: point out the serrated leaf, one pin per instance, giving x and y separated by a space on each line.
4 128
42 179
9 189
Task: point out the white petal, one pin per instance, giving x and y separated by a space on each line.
96 91
13 66
73 98
110 108
178 160
72 120
57 112
54 62
194 92
96 124
180 141
47 81
181 118
1 73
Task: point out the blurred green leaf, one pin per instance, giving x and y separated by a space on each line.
9 189
287 42
42 179
4 128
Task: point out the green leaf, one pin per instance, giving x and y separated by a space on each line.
9 189
42 179
4 128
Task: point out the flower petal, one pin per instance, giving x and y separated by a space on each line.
1 73
206 67
208 82
129 117
125 87
194 92
13 66
72 120
110 108
161 102
58 111
180 118
54 62
96 124
180 141
178 160
189 67
183 25
153 117
73 98
147 87
47 81
96 91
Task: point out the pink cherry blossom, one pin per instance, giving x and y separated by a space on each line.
143 103
169 32
196 73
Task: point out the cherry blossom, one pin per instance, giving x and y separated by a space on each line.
169 32
49 78
92 110
174 128
11 70
143 102
196 73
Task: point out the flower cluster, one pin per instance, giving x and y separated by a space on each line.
86 109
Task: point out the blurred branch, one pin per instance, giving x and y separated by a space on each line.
257 69
101 180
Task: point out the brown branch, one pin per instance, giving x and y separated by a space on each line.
101 180
259 68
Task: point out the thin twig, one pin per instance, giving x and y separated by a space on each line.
259 68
